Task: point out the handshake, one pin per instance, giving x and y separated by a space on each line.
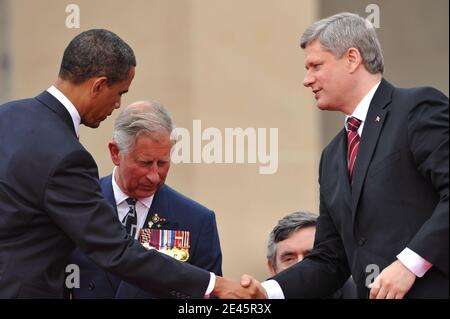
248 288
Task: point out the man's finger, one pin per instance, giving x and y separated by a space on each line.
399 295
382 293
391 294
246 281
374 289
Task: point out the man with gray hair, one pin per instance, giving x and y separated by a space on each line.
383 179
291 240
152 212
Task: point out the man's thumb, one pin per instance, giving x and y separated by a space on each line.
246 281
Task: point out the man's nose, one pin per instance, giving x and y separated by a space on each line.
308 80
153 174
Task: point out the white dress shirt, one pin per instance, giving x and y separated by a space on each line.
142 205
407 257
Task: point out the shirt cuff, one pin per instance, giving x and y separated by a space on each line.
414 262
212 283
273 289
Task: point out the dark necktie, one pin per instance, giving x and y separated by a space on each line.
130 219
352 142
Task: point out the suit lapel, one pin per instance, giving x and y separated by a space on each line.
160 205
52 103
108 192
344 182
372 128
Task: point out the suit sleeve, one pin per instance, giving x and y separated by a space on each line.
325 269
74 201
428 136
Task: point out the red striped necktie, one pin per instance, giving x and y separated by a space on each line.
352 142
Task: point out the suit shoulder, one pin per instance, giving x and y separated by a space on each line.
333 144
419 95
105 180
176 198
16 103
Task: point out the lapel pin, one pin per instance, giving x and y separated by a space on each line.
157 221
155 218
377 119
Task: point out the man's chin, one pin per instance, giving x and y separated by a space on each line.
145 194
323 106
91 125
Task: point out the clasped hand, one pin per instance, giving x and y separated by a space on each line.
247 288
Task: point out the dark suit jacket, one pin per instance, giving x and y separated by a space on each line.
50 202
181 213
399 198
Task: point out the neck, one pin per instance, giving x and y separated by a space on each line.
75 93
360 87
118 180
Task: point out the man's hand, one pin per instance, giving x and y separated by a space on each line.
248 288
393 282
251 283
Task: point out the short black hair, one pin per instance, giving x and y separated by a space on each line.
94 53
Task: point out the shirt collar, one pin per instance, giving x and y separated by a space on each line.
120 196
362 108
76 119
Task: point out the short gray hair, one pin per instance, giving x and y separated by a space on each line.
143 117
343 31
285 228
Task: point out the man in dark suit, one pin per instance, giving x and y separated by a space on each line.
50 199
383 179
141 152
291 240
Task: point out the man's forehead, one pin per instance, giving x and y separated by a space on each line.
311 51
156 139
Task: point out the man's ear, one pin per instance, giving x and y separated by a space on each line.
114 152
271 268
99 85
353 58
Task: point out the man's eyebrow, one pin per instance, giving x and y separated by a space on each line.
286 253
308 64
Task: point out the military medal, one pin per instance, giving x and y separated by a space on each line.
174 243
